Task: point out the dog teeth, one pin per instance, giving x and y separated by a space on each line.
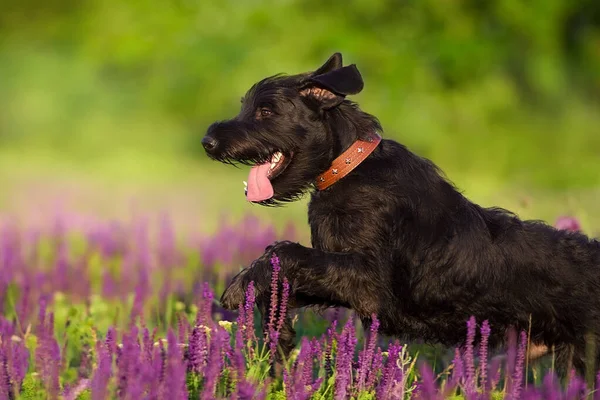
245 183
275 159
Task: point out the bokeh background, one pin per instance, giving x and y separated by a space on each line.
103 103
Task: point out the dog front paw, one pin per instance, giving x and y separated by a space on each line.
260 272
235 294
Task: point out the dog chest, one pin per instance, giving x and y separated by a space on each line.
346 228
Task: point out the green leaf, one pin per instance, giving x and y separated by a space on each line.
32 388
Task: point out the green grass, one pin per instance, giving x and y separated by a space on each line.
118 110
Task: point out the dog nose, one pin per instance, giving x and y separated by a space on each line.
209 143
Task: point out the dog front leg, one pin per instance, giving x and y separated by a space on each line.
316 277
339 280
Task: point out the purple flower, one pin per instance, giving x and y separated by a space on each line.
316 349
158 366
215 362
20 362
183 327
517 380
469 357
303 371
288 385
147 344
495 369
204 316
375 369
344 357
576 390
511 357
250 336
62 267
458 369
331 334
274 291
128 362
102 375
274 324
248 391
174 384
532 394
283 306
24 305
241 317
550 387
483 353
197 349
295 387
299 385
238 360
145 370
428 391
6 389
138 301
85 364
73 393
110 340
391 371
366 358
47 355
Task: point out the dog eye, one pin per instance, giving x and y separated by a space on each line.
265 112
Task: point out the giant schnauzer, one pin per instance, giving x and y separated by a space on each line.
391 236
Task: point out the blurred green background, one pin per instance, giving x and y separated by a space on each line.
103 103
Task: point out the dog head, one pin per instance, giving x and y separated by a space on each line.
290 128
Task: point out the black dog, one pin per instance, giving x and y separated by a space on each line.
391 236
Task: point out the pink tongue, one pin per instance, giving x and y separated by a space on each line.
259 185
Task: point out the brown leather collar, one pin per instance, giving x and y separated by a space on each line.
347 161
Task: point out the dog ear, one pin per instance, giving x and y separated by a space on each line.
330 88
334 62
343 81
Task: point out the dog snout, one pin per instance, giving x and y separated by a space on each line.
209 143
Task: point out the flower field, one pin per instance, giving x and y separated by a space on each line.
97 309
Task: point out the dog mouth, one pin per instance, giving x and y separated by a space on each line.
259 187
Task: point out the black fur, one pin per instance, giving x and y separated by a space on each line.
396 239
